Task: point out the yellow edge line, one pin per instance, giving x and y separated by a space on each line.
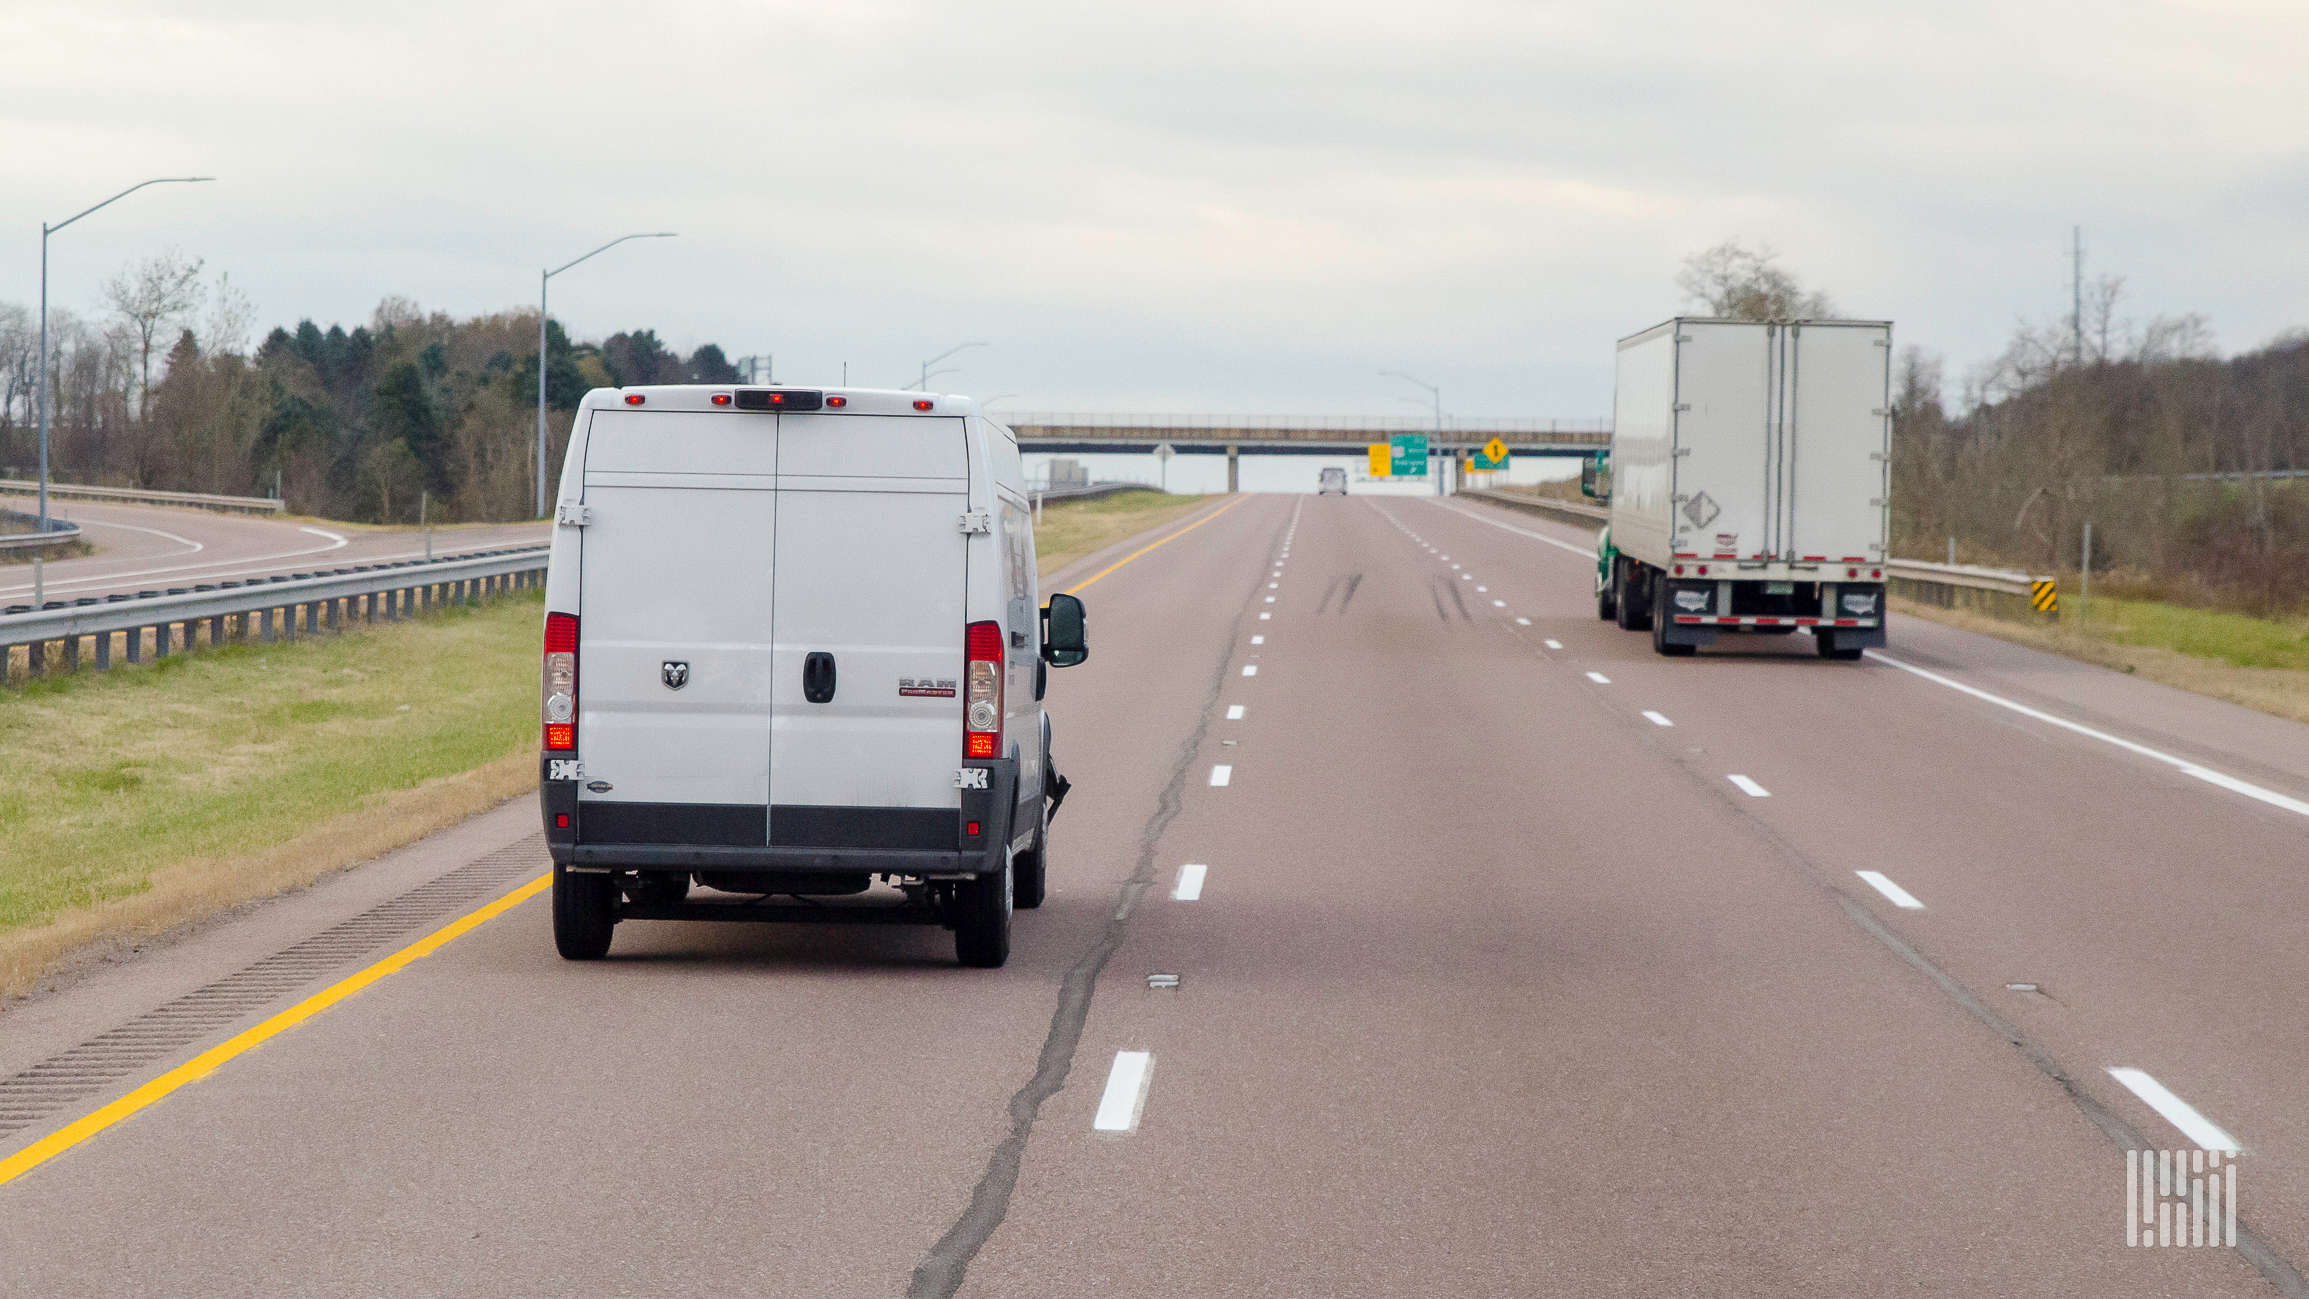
1079 586
202 1065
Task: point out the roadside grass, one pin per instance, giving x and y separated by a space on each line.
1069 530
2256 662
139 799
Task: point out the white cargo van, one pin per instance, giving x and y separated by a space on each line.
793 647
1331 480
1748 483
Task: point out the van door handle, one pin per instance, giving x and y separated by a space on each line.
818 677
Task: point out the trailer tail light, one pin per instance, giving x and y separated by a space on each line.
1851 572
561 681
982 697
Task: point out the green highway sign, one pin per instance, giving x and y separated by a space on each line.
1409 455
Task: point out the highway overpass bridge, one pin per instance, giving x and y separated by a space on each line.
1331 435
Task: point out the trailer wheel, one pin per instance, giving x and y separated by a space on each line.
1662 645
1825 643
1632 596
584 914
981 909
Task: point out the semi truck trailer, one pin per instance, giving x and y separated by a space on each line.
1749 483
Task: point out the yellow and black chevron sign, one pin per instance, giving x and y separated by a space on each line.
2042 597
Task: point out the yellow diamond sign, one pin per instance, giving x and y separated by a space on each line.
1495 451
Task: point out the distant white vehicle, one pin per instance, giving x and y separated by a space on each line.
1331 480
1749 467
792 646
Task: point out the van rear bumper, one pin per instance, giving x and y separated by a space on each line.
572 841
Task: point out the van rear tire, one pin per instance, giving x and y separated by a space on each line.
584 914
1030 870
982 919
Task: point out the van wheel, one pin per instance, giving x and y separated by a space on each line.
1030 869
982 920
584 914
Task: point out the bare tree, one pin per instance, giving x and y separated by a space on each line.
1736 282
151 295
230 316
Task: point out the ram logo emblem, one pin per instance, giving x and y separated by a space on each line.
675 675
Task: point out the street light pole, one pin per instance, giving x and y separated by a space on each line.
544 283
45 231
924 382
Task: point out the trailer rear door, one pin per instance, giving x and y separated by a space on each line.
1722 490
1838 437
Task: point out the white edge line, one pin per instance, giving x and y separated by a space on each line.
1190 885
2196 1127
1883 884
1124 1100
2183 765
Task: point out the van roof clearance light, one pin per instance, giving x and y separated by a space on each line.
634 399
721 399
922 405
837 402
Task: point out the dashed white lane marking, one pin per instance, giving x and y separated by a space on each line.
1221 774
1258 640
1656 719
1272 586
1250 669
2196 1127
1485 589
1526 622
1599 678
1190 885
1496 604
1749 787
1467 577
1883 884
1270 599
1124 1100
1234 712
1551 644
1264 616
2186 767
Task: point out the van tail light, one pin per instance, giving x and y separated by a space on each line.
561 681
982 698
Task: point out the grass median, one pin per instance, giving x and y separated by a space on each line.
2260 663
1071 529
138 799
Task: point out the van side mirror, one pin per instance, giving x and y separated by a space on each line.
1065 641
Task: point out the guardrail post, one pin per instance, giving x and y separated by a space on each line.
136 644
104 651
36 659
71 655
160 641
265 626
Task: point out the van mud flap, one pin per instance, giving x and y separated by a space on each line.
1058 787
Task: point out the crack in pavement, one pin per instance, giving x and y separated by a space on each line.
942 1270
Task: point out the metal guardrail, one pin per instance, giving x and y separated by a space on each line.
1999 592
267 609
1307 423
59 531
1090 493
138 496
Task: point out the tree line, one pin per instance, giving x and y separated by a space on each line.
165 391
2183 461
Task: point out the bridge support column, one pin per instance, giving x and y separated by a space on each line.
1234 468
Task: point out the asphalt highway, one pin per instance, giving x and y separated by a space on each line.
1411 932
151 547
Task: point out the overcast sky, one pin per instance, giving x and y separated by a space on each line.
1185 206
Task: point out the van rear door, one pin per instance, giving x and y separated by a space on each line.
674 625
871 571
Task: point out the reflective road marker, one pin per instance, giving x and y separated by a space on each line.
1900 896
1656 719
1125 1098
1749 787
2196 1127
1190 886
1221 774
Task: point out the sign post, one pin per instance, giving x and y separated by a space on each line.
1162 455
